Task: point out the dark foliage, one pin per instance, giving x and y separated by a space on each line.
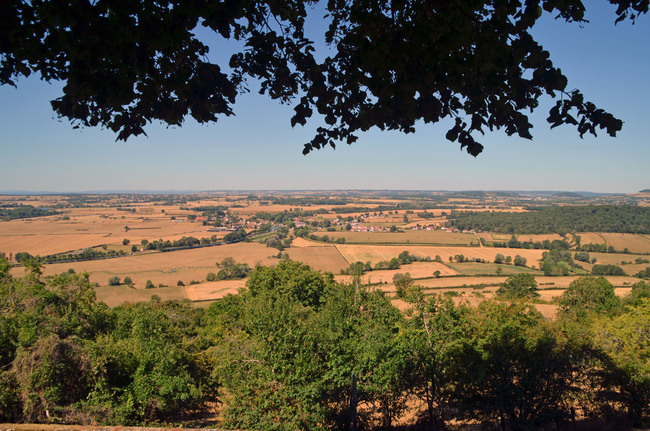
393 64
588 218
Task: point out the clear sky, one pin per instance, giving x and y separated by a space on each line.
258 149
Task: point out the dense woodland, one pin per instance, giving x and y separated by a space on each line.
281 355
23 211
558 219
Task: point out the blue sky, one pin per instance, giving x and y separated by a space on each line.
258 149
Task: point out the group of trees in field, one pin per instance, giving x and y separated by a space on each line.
24 211
231 270
560 219
281 354
404 258
184 242
85 254
537 245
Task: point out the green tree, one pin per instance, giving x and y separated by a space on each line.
128 281
607 270
518 371
519 286
588 294
114 281
126 241
499 258
289 278
402 282
625 339
438 338
520 261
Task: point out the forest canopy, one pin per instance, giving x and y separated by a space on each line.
588 218
393 64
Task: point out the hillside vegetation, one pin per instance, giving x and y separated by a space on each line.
281 355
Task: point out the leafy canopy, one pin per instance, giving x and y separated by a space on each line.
125 64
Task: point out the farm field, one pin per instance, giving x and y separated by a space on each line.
502 237
417 270
474 268
118 295
167 267
326 258
103 222
434 237
49 235
376 253
635 243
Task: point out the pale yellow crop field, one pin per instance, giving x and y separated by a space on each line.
435 237
88 228
633 242
118 295
169 267
502 237
377 253
321 258
213 290
415 269
591 238
302 242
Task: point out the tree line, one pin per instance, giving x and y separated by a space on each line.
281 355
558 219
24 211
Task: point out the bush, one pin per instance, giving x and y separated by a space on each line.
114 281
128 281
211 276
126 241
149 285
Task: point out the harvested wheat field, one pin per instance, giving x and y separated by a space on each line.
434 237
377 253
591 238
460 282
633 242
302 242
118 295
326 258
475 268
51 234
168 267
416 270
212 290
